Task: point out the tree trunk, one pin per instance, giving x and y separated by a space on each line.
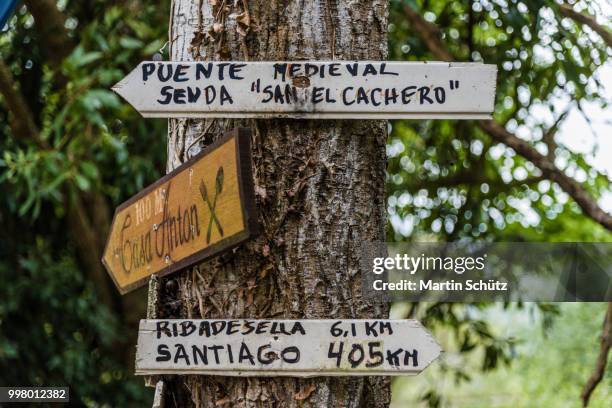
319 187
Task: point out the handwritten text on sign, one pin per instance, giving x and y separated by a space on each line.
198 210
334 89
284 347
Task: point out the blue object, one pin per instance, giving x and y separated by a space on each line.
6 9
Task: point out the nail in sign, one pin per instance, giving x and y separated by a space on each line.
200 209
312 89
297 348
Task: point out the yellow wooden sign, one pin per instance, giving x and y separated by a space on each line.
202 208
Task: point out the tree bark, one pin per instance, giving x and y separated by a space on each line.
51 25
319 187
21 120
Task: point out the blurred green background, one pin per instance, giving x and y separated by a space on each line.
71 151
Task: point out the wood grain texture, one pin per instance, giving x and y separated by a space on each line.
319 188
199 210
297 348
311 89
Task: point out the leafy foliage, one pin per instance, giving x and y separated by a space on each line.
448 178
90 133
54 333
449 181
54 329
548 370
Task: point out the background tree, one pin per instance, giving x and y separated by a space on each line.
509 179
70 152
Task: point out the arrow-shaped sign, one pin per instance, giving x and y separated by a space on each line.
200 209
298 348
319 89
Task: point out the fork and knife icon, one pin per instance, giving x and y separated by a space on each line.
213 205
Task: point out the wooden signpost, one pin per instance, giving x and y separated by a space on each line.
298 348
205 206
202 208
314 90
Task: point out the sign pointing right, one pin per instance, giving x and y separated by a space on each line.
296 348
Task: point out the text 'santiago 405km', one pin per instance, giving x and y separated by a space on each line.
300 348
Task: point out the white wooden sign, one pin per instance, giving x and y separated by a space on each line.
319 89
298 348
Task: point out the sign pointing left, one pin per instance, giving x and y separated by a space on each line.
311 89
202 208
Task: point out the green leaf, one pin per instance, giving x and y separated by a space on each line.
82 182
89 57
131 43
89 170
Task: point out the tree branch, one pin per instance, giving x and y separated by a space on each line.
550 171
587 20
429 34
21 120
602 358
549 136
470 178
51 26
89 250
581 196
